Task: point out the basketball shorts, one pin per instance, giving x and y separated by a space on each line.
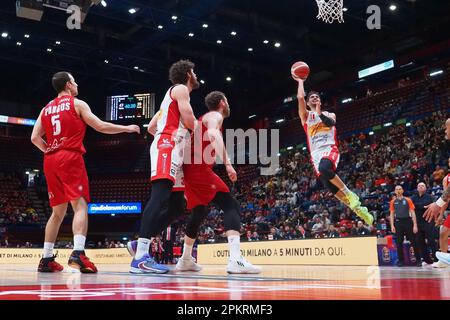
66 177
201 185
166 160
331 153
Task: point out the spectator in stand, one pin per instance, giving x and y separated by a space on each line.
332 232
361 230
273 235
438 174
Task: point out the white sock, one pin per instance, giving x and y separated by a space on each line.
187 251
142 248
78 242
345 190
234 242
48 249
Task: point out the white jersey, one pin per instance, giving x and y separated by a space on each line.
322 141
318 135
167 149
169 119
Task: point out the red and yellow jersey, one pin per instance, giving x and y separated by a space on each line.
318 135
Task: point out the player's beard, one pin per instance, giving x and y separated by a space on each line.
194 83
226 112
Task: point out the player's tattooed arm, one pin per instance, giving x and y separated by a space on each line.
446 194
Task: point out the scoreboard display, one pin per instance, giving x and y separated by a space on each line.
137 106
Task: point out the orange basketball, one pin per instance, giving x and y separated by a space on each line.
300 70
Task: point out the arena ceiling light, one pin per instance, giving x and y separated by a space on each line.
347 100
104 3
408 124
49 49
388 124
19 43
202 81
345 9
136 68
219 41
277 44
26 36
106 61
4 34
371 133
250 49
233 33
160 27
266 41
290 148
228 79
132 10
190 34
432 74
252 116
304 148
279 121
392 7
205 25
57 43
174 18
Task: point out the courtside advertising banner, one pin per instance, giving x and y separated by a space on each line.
361 251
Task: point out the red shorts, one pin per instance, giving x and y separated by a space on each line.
201 185
447 222
66 177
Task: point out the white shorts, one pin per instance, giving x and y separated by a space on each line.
166 160
331 153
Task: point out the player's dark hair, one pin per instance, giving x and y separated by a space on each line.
213 99
60 80
178 72
311 93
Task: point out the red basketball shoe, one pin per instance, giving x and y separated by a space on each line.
78 260
49 265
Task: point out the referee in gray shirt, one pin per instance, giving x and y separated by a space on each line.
404 223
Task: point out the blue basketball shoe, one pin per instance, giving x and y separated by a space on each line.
147 264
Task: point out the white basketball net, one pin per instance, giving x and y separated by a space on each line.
330 10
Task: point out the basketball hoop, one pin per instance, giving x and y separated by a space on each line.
330 10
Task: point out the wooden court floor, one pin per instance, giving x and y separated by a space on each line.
113 282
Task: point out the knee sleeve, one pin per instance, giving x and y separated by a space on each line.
327 184
151 218
198 215
231 210
326 169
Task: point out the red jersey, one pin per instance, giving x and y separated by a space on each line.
64 129
199 143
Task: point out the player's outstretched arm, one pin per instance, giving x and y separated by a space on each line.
434 209
37 134
101 126
302 111
181 95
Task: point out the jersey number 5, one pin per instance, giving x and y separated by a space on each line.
56 125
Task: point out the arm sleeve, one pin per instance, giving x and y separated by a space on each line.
327 120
